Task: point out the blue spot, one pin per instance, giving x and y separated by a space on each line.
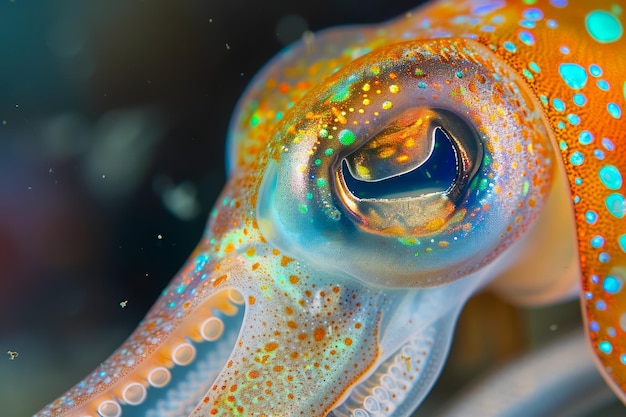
574 75
603 26
611 284
595 279
529 24
608 144
611 332
616 205
578 181
623 358
564 50
588 295
488 8
604 257
488 28
574 119
597 241
558 104
533 14
591 217
551 23
201 262
610 177
580 99
594 326
534 67
576 199
598 154
601 305
527 38
595 70
614 110
585 137
509 46
558 3
576 158
603 85
605 347
622 242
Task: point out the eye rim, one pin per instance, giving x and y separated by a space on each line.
427 213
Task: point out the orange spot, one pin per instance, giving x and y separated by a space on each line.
292 324
240 409
251 300
302 336
233 388
318 334
275 252
283 88
255 266
187 304
278 368
219 280
214 411
205 399
229 248
294 355
294 279
251 251
289 311
271 346
285 260
347 341
336 290
253 374
357 325
231 398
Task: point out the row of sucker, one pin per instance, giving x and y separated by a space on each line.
382 393
179 350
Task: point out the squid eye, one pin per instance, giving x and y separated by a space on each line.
431 155
412 166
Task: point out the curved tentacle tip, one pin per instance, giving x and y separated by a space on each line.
379 177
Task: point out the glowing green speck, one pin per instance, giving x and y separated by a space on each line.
309 196
329 151
304 209
346 137
343 92
525 188
254 120
321 182
318 162
323 133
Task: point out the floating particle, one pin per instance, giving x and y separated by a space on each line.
12 354
124 303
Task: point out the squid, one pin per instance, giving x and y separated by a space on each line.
378 177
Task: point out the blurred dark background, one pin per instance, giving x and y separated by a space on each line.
113 117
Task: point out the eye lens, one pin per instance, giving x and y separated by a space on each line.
436 174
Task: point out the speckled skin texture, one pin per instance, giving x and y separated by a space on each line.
350 293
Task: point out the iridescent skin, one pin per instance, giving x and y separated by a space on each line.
350 300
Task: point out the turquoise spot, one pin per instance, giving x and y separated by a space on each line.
611 177
603 27
309 196
616 204
578 181
574 75
534 67
580 99
543 99
329 151
558 104
346 137
509 46
527 74
321 182
561 125
573 119
421 85
605 347
603 85
612 285
622 242
527 38
591 217
576 158
562 145
623 358
585 137
614 110
595 70
597 241
459 74
551 23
